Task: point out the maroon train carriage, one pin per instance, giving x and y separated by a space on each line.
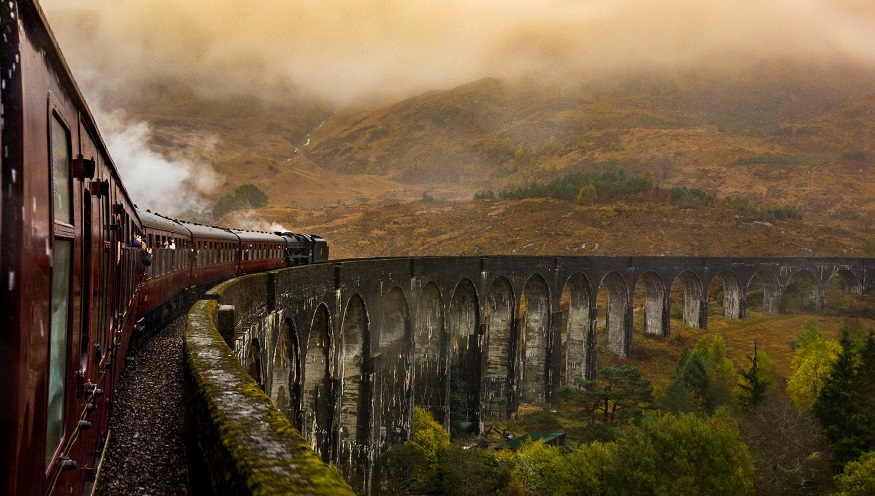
213 254
260 251
68 280
170 273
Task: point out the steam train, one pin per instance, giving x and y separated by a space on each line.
75 284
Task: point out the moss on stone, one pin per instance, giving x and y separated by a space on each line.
240 443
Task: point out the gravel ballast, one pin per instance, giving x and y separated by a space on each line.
146 454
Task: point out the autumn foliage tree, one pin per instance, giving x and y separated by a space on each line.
812 364
587 195
413 467
858 478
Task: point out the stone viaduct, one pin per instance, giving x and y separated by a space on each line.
347 348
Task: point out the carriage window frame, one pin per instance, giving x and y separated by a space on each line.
61 283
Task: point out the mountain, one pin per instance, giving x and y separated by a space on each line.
782 134
807 142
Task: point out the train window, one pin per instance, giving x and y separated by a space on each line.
61 272
62 186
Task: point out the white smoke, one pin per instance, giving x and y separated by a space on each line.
169 184
249 220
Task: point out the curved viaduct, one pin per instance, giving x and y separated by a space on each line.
346 349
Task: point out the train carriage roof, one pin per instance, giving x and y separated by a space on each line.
159 222
209 233
257 236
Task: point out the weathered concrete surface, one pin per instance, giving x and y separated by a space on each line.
347 348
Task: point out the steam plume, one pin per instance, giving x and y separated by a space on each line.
171 185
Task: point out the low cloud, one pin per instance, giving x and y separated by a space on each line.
349 51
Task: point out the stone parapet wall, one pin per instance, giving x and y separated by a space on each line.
238 443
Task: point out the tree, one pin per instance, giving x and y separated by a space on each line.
685 454
249 196
245 196
587 194
619 396
583 471
858 478
225 204
812 364
846 403
756 379
789 451
533 470
467 472
704 379
413 468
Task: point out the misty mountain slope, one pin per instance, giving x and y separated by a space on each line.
802 142
801 138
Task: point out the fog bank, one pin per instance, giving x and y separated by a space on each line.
347 51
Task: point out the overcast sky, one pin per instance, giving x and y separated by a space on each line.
352 51
345 50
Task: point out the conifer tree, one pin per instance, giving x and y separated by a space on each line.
846 404
754 382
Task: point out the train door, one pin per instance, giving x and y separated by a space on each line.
88 329
101 265
95 258
60 419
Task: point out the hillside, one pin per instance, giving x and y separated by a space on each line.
553 227
803 136
807 143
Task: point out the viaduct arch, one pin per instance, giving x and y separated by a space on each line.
347 349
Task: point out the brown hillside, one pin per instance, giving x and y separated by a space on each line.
803 136
551 227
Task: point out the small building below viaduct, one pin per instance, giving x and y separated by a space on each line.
346 349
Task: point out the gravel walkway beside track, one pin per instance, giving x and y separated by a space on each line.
146 454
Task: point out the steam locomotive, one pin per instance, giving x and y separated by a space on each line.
75 284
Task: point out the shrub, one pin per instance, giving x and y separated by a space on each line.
689 197
855 155
486 194
782 212
610 184
858 478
